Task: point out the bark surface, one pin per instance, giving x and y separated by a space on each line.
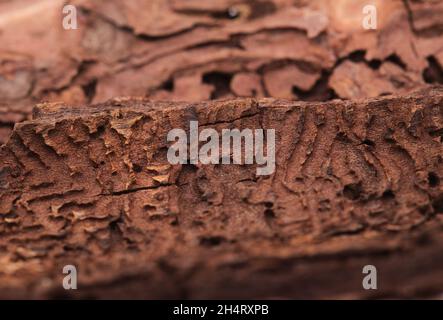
186 50
356 183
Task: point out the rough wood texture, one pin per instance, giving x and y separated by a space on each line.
193 51
355 183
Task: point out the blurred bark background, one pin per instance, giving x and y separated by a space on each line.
192 50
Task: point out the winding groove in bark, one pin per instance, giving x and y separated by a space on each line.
356 182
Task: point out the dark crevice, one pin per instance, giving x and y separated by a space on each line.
437 133
212 241
395 59
357 56
352 191
221 81
118 193
433 179
9 125
89 89
368 142
137 168
168 85
268 204
269 214
234 42
388 194
434 72
319 92
374 64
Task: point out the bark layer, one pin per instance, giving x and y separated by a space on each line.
186 50
356 183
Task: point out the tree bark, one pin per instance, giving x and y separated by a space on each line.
189 51
356 183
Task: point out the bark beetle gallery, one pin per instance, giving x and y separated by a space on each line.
84 176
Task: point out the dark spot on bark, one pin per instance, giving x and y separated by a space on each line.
148 207
221 81
388 194
424 210
269 214
352 191
114 227
434 72
212 241
168 85
437 204
89 89
369 142
436 133
342 137
12 215
388 137
395 59
269 204
357 56
374 64
100 130
175 222
319 92
433 179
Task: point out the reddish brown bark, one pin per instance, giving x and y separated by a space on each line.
186 50
356 183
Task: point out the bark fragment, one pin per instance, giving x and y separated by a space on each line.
125 49
355 183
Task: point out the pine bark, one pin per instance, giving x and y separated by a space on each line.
185 50
356 183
